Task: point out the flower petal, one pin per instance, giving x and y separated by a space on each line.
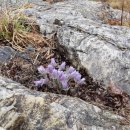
63 77
54 73
77 76
41 69
65 84
53 63
60 73
72 75
62 66
82 81
40 82
70 69
37 83
50 68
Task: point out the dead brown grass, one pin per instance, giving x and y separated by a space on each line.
123 5
19 30
118 4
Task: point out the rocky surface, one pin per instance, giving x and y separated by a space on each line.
21 108
104 50
6 53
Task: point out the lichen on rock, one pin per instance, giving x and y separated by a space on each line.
21 108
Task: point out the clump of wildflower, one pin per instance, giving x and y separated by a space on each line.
59 75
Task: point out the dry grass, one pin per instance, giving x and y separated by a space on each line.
19 30
123 5
12 28
118 4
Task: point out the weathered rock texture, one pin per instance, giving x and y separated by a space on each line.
24 109
104 50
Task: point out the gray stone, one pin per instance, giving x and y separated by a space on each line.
16 3
104 50
24 109
6 53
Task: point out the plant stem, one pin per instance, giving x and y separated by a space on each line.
122 9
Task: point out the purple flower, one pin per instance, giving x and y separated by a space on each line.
82 81
77 76
63 77
72 75
53 63
50 68
71 69
65 84
62 66
40 82
60 73
41 69
54 73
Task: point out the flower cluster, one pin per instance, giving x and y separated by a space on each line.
59 74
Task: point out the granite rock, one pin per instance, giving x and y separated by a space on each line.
103 49
24 109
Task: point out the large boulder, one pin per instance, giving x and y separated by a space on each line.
24 109
104 50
